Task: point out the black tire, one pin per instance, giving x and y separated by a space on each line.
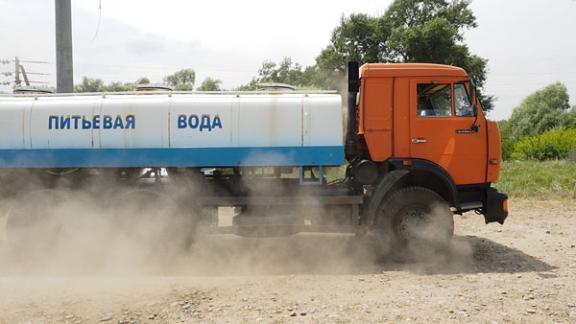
416 216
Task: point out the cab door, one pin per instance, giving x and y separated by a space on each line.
441 129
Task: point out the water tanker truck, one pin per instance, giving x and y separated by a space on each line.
412 148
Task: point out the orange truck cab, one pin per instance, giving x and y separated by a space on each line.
424 123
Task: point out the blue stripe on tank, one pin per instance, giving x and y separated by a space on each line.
172 157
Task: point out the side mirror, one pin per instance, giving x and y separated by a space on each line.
353 77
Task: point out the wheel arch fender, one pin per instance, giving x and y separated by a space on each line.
385 186
417 173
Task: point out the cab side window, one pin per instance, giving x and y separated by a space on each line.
434 99
462 104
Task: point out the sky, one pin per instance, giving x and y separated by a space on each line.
528 43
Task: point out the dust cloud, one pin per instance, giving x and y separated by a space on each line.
432 246
118 230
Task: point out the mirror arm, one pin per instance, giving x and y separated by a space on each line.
474 126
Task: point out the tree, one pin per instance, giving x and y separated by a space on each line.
359 37
541 111
569 119
284 72
89 85
96 85
409 31
119 87
143 81
182 80
210 84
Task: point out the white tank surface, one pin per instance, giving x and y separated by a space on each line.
171 129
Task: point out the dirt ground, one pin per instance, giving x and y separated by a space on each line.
524 271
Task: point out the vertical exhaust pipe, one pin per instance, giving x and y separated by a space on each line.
352 127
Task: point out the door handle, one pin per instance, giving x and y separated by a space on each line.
419 140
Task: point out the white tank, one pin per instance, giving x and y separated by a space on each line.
170 129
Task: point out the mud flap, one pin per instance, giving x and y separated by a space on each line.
496 206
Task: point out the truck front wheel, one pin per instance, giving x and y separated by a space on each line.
416 216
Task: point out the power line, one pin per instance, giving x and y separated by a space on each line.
37 73
9 61
99 20
34 62
530 73
9 74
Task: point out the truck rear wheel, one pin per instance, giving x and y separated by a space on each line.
416 216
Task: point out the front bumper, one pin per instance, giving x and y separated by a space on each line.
495 206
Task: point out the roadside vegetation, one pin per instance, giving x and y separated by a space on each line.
542 127
539 147
554 180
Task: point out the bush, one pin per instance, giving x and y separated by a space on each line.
507 148
538 180
506 139
555 144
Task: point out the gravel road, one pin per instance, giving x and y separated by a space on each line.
524 271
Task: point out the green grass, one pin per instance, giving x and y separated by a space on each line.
523 179
538 180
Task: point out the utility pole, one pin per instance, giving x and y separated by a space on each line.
64 63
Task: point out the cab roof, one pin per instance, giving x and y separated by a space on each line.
384 70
